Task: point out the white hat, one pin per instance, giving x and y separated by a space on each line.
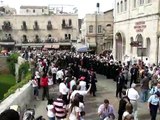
133 85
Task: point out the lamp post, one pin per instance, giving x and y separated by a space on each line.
97 11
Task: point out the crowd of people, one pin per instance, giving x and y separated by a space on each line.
75 76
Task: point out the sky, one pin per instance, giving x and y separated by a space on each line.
84 6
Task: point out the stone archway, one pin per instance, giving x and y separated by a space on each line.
139 38
119 47
148 46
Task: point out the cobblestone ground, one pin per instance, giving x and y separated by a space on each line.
105 89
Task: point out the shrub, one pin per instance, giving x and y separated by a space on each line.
23 70
11 60
18 85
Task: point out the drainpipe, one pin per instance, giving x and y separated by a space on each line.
158 35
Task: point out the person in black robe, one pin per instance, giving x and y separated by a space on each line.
122 105
93 81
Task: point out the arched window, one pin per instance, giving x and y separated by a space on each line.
63 22
70 22
34 11
134 3
108 25
91 29
121 6
125 5
118 7
69 36
49 22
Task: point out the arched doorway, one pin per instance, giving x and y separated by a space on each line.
139 38
119 47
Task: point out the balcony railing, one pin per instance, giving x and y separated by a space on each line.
65 26
36 27
49 27
6 28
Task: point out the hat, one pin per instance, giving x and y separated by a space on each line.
133 85
82 78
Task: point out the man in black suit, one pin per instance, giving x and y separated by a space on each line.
134 74
120 80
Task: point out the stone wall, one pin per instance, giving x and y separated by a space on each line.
3 65
21 97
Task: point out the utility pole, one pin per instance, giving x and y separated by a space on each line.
97 11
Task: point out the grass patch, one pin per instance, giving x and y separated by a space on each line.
6 81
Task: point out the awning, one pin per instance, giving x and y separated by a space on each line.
81 47
92 44
55 46
47 46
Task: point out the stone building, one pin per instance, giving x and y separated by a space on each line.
34 10
52 31
136 29
97 31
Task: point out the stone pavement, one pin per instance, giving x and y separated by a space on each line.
105 89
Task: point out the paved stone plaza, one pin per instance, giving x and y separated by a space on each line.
106 89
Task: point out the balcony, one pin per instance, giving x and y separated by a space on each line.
6 27
36 27
7 42
49 27
65 26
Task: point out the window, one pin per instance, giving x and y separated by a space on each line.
69 36
63 22
91 29
65 36
130 45
148 1
42 10
141 2
27 10
125 5
117 7
99 28
108 25
121 6
34 11
35 23
70 22
49 22
134 3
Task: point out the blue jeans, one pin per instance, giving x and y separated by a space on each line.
144 95
51 118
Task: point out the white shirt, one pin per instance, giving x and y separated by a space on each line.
72 115
59 74
81 106
53 70
50 81
132 94
125 114
72 83
63 89
77 91
34 83
82 85
50 111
